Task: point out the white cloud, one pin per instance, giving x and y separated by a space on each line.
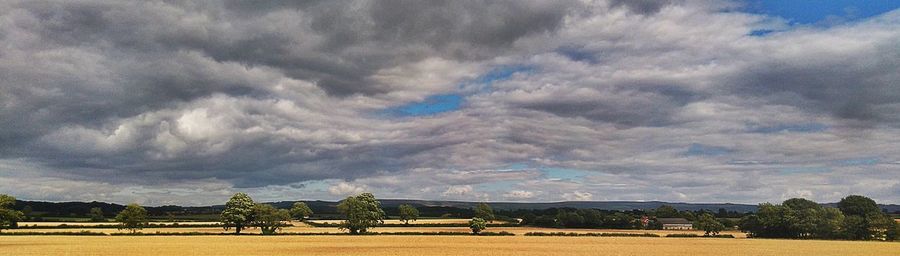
457 191
346 189
577 196
519 194
622 94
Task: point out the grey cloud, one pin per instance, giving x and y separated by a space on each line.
280 99
642 6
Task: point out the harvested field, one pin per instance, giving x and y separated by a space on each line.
430 245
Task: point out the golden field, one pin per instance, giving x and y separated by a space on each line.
420 221
300 227
429 245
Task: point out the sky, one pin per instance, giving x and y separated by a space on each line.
188 102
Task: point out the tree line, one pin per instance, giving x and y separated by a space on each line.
855 218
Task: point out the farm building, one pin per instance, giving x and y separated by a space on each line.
676 223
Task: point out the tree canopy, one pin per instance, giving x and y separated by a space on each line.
484 211
477 225
133 217
238 212
268 218
708 223
361 212
301 211
407 213
666 211
96 214
856 218
9 218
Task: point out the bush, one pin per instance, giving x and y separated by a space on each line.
169 234
151 225
429 225
682 235
696 235
591 234
81 233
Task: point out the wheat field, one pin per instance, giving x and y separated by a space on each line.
430 245
303 228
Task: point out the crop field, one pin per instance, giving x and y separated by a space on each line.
58 223
412 245
417 222
300 227
429 245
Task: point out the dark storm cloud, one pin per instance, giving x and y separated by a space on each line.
642 6
862 86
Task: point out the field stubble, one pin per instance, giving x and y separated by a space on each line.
430 245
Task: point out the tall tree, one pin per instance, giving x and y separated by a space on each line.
27 212
96 214
484 212
858 205
408 212
238 212
666 211
269 219
301 211
708 223
477 225
864 219
9 218
361 212
133 217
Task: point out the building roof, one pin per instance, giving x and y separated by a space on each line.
674 221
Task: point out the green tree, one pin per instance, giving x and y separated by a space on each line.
804 216
361 212
477 225
829 225
569 219
133 217
894 233
408 212
9 218
484 212
27 212
855 227
708 223
301 211
269 219
666 211
864 219
96 214
238 212
859 206
592 218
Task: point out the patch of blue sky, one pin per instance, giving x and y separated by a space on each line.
761 32
448 102
316 185
803 128
577 54
502 73
432 105
821 12
697 149
859 161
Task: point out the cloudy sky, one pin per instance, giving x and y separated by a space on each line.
187 102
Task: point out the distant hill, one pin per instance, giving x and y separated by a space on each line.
426 207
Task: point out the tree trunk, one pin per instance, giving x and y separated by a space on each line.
237 230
